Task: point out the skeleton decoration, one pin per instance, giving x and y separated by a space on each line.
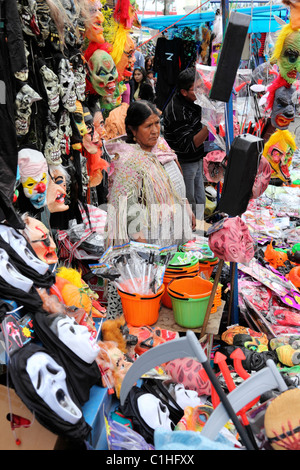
80 77
24 101
52 87
52 148
67 85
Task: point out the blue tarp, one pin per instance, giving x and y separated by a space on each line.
263 20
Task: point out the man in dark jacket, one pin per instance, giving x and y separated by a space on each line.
185 134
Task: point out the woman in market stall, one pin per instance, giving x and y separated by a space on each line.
141 88
146 200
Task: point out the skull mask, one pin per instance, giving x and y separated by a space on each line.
52 87
103 73
80 76
67 85
52 149
49 381
24 100
65 132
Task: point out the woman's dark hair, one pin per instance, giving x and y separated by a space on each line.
137 113
186 78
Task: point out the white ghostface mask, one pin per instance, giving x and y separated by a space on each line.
13 277
76 337
19 244
185 397
154 412
49 381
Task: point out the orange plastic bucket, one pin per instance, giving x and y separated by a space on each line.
141 310
166 299
190 287
206 267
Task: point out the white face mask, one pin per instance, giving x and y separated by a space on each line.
10 274
77 338
154 412
49 381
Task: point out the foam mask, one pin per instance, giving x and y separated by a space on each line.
56 192
33 176
126 63
103 73
283 111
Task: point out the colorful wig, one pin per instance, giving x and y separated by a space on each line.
285 31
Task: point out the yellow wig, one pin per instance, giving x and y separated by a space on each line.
119 41
280 136
285 31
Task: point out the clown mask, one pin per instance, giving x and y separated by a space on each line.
283 111
40 240
33 176
94 22
103 73
279 151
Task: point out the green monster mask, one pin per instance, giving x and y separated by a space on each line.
289 61
103 73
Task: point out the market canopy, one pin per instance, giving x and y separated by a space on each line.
263 19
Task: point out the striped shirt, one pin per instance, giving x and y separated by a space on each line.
182 120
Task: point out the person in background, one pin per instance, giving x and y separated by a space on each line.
149 63
141 88
139 58
150 76
186 135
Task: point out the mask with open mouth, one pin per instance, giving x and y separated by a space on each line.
56 193
283 110
102 73
40 240
93 19
279 152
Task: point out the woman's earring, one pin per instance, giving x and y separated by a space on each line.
134 138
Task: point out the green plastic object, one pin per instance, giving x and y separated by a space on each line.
182 260
189 313
296 247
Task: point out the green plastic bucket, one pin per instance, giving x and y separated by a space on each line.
189 313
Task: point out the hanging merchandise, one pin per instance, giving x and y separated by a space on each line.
279 150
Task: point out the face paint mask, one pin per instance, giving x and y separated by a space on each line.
76 337
49 382
33 176
103 73
283 111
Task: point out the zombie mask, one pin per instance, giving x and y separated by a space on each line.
43 18
67 85
28 15
71 23
94 22
289 61
49 381
52 87
33 176
279 152
24 101
40 240
103 73
56 192
283 111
